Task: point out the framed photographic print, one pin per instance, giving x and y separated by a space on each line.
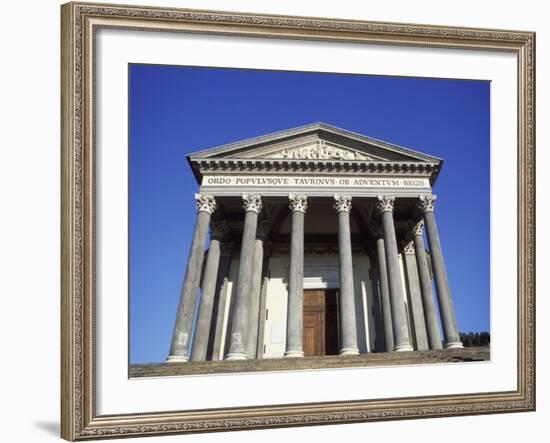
282 221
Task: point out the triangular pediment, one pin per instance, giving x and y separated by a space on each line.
318 141
310 148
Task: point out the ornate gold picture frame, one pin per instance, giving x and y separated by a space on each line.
80 22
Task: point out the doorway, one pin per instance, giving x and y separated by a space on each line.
321 322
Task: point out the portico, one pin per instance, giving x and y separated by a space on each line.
316 247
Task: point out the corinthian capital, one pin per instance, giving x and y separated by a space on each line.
342 202
252 202
206 203
416 229
408 248
426 203
297 202
385 203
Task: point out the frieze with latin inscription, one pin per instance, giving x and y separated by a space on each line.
309 181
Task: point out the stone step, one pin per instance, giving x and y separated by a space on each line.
472 354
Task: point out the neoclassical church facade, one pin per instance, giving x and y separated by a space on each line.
310 242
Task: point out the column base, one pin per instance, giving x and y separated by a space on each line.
177 359
236 356
403 348
454 345
294 354
349 351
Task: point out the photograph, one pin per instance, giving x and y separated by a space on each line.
274 221
285 220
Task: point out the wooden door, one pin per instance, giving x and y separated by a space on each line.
321 329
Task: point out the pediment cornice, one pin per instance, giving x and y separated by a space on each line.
316 148
316 134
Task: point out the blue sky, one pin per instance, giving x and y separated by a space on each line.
178 110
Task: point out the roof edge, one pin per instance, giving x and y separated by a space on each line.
220 149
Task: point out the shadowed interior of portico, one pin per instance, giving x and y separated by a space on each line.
321 222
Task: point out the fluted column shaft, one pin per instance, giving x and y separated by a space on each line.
428 302
208 291
295 306
348 321
446 308
220 302
238 338
384 294
395 282
418 326
255 288
181 336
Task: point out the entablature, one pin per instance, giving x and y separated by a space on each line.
243 165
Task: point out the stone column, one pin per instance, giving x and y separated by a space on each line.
395 283
380 342
238 339
295 306
257 266
428 302
220 301
384 288
181 337
446 308
415 298
208 291
348 325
